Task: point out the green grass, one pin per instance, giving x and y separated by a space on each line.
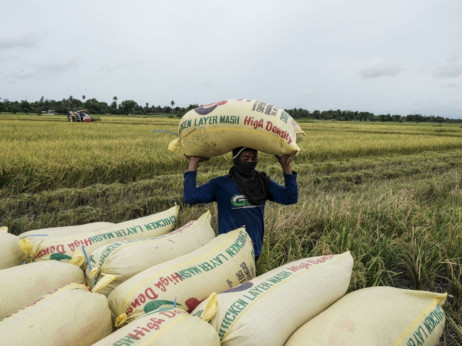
389 193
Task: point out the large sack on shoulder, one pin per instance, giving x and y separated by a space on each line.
71 315
10 253
268 309
114 263
164 327
224 262
66 230
377 316
63 248
21 285
218 128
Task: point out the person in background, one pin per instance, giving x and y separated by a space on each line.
241 195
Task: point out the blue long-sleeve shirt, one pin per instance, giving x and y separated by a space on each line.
234 210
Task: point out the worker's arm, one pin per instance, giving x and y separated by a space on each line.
194 162
285 161
191 193
287 194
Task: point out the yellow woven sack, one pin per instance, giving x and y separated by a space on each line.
114 263
65 230
269 308
10 253
165 327
218 128
71 315
64 247
21 285
377 316
224 262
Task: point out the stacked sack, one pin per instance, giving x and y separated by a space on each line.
71 315
183 282
63 248
65 230
21 285
377 316
167 327
269 308
112 264
218 128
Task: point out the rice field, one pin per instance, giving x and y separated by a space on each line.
390 193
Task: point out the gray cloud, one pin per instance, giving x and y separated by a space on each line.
23 41
380 68
451 85
452 68
45 71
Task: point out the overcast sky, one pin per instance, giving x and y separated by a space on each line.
382 56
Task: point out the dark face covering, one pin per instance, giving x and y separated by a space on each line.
253 184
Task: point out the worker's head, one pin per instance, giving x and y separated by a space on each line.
245 160
245 154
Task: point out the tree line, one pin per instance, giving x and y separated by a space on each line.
341 115
128 107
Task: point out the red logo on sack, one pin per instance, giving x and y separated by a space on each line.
206 109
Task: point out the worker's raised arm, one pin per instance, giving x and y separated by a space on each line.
194 162
285 161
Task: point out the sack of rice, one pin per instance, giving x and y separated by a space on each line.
224 262
164 327
114 263
71 315
65 230
10 253
268 309
218 128
62 248
21 285
377 316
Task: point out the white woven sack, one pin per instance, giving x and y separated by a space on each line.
21 285
10 253
224 262
65 230
219 127
377 316
64 247
114 263
71 315
165 327
268 309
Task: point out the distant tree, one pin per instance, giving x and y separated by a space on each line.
93 106
25 106
415 117
113 108
128 107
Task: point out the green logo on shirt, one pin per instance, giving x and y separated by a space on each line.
239 201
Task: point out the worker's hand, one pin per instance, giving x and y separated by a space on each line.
285 161
194 162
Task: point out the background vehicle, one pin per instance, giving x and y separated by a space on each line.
80 116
